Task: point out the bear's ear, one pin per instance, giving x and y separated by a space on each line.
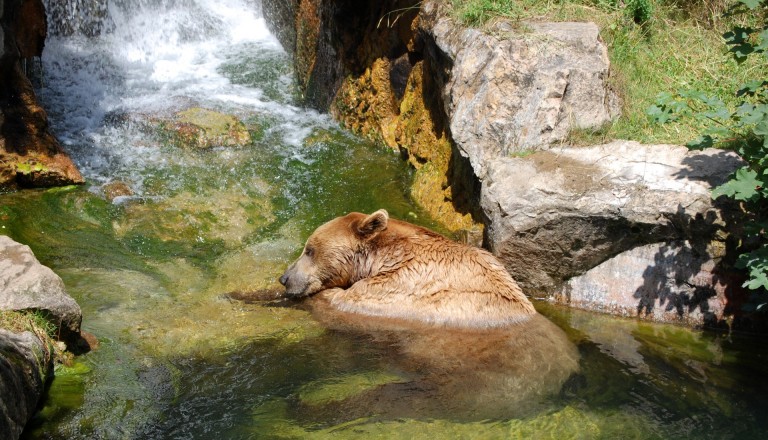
373 224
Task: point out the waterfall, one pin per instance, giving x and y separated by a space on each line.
86 17
108 59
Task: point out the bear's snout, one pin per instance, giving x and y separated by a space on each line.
295 282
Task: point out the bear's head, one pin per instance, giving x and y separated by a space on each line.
333 254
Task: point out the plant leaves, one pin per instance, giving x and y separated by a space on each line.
743 186
757 263
701 142
750 88
751 4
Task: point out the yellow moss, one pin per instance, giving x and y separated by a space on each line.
431 191
307 31
30 167
366 104
416 131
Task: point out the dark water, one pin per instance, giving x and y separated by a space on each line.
178 358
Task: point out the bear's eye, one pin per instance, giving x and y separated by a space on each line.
308 251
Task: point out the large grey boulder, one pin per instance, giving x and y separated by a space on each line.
664 282
24 368
25 284
554 215
518 88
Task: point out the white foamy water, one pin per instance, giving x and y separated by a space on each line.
155 57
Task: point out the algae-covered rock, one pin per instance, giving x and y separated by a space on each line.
176 312
203 128
341 388
190 217
27 285
431 190
569 422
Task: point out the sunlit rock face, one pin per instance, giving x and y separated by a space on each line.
365 63
27 285
30 156
522 88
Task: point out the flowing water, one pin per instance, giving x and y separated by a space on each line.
154 269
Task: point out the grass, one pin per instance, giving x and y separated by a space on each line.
37 323
678 47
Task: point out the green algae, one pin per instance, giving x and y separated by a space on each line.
569 422
212 216
344 387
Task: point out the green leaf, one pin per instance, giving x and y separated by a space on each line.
743 186
751 4
718 113
751 87
757 264
762 39
701 142
761 128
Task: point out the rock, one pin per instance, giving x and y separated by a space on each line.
24 368
203 128
25 284
113 190
30 156
532 84
192 217
665 282
554 215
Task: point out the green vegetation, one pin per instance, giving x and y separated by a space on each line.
742 126
36 322
654 46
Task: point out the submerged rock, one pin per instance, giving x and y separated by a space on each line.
197 217
113 190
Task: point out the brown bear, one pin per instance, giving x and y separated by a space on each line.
377 266
451 318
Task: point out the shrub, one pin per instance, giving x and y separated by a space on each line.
743 128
